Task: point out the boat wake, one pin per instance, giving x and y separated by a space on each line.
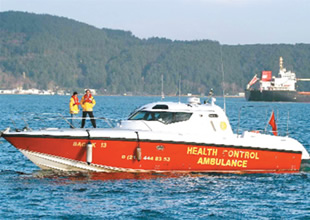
93 176
305 166
64 176
11 172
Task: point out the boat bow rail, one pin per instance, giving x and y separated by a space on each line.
43 121
257 121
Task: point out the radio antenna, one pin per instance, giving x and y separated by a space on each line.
162 87
180 88
223 79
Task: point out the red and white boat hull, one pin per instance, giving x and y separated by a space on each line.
119 155
161 137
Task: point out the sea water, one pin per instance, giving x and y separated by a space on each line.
30 193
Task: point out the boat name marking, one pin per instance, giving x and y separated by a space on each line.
241 154
231 158
83 144
222 162
202 151
230 153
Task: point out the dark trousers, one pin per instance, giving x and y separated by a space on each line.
91 115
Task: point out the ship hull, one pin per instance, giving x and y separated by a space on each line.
120 155
277 96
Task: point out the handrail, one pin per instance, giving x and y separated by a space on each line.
44 120
259 106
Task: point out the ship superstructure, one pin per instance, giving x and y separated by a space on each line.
281 88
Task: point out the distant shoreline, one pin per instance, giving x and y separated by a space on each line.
227 96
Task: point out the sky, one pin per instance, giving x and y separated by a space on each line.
230 22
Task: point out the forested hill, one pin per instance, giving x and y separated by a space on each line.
46 51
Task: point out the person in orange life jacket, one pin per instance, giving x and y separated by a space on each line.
88 102
74 107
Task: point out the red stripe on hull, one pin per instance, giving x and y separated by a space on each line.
164 156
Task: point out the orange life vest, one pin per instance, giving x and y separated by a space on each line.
88 98
76 100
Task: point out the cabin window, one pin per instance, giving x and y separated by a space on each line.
160 107
213 116
164 117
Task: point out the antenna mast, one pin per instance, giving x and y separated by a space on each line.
222 67
162 87
180 88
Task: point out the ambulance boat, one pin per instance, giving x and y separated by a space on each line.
161 137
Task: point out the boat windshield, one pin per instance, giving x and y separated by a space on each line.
164 117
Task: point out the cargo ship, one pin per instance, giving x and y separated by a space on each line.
276 89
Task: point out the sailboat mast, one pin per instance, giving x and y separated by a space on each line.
180 88
162 87
223 79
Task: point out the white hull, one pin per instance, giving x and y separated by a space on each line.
48 162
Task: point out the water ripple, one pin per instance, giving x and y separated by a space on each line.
30 193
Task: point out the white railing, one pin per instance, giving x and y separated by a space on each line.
31 121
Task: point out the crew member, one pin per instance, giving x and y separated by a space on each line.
88 102
74 107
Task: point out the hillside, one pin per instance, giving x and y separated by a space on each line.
46 51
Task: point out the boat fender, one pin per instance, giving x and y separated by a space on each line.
138 153
138 148
256 132
89 153
89 150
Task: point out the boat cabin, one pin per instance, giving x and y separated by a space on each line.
182 118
